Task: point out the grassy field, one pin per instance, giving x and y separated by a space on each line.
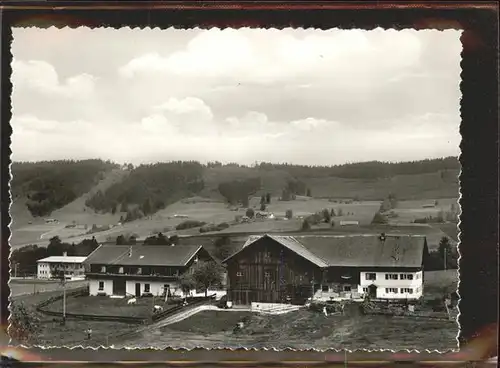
426 186
412 190
306 329
102 305
20 287
408 211
303 329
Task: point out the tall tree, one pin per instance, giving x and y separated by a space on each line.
187 283
263 199
326 216
207 274
444 251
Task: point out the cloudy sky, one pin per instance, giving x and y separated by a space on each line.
300 96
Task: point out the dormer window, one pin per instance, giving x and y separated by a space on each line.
139 271
103 269
120 270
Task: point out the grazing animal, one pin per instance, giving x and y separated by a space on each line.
157 308
132 301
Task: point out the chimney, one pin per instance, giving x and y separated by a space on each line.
382 237
65 254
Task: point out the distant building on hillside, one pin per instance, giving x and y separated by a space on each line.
349 223
56 266
276 269
139 270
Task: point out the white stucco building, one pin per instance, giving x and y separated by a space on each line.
140 270
55 266
392 285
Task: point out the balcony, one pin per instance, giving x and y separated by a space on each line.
131 276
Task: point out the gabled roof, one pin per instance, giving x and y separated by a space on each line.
63 259
352 250
288 242
143 255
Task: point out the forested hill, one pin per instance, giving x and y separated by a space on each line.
49 185
370 169
148 188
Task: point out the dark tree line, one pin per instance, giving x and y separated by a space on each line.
160 239
238 191
444 258
23 260
368 170
294 188
49 185
150 188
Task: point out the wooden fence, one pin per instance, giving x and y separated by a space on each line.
197 301
88 317
109 318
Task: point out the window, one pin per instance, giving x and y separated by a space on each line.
147 288
120 270
267 274
365 290
391 276
406 291
347 288
139 271
391 290
101 285
406 276
370 276
103 269
325 288
267 256
239 274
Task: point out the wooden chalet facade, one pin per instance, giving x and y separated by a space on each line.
260 274
285 269
141 270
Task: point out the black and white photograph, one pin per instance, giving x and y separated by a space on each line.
238 187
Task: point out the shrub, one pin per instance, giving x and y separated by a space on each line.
189 224
379 219
289 214
250 213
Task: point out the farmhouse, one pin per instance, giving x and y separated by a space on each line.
56 266
140 270
276 269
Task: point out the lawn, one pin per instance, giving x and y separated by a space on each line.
429 185
27 286
209 322
103 305
408 211
302 330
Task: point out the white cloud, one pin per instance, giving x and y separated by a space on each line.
42 77
243 55
304 96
